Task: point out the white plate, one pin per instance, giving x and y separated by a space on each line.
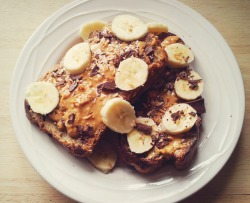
222 123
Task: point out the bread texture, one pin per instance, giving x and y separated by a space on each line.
76 122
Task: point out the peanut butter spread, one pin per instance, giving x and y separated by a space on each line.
167 145
82 96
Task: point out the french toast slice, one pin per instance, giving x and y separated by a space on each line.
176 149
76 122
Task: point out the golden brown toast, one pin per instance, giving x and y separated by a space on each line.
76 122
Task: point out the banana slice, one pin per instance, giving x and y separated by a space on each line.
191 88
118 115
179 118
157 27
43 97
128 28
77 59
139 141
89 27
103 157
179 55
131 73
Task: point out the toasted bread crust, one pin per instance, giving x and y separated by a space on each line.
141 163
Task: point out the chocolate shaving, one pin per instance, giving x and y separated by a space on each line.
154 139
194 84
144 128
186 59
60 83
109 85
163 141
73 86
192 113
94 71
99 89
149 50
117 61
198 105
175 116
128 54
164 35
84 133
76 77
184 74
55 71
71 119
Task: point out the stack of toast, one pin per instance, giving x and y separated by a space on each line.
128 80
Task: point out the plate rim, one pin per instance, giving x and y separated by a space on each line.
191 12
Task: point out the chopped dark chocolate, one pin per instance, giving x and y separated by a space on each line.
184 75
192 113
109 85
198 105
99 89
163 141
71 119
149 50
84 132
144 128
193 84
94 71
117 61
175 116
76 77
163 35
73 86
79 128
128 54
